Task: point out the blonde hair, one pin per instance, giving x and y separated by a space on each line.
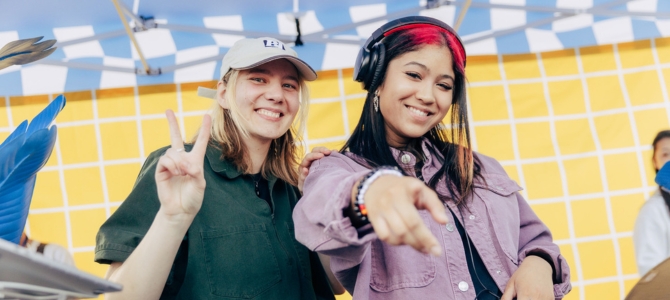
227 135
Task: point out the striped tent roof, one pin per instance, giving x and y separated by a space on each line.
183 41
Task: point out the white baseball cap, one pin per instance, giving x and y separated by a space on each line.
250 53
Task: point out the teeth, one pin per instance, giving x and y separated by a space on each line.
268 113
418 112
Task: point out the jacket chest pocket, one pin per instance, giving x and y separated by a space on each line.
396 267
240 261
500 199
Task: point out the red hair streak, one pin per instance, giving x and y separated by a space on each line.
424 34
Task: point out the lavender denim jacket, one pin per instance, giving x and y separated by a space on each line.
500 223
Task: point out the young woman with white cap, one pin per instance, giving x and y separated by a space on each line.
212 219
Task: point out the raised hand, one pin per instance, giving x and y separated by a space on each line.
393 202
303 170
179 174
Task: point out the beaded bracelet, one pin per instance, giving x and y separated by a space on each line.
359 206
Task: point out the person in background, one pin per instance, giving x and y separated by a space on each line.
212 219
651 236
407 210
51 251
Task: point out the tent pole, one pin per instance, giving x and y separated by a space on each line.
461 15
131 36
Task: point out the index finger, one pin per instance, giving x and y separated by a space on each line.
425 239
200 146
175 135
429 201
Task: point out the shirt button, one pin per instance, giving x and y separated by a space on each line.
463 286
472 217
450 227
497 271
405 158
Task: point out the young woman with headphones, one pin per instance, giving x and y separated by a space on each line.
407 210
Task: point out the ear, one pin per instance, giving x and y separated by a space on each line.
221 95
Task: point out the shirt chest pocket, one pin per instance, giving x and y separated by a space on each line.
396 267
500 198
240 261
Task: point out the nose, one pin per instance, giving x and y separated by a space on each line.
425 92
275 92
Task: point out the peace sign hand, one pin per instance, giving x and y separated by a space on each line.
179 174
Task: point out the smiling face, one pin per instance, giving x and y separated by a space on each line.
416 93
267 99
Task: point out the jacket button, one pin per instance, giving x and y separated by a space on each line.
450 227
463 286
405 158
472 217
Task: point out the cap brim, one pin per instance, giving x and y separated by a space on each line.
305 70
207 93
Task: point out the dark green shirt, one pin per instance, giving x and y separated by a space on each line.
236 247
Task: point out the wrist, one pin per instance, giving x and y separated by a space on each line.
540 263
358 210
178 222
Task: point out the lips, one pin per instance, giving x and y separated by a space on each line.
418 112
269 113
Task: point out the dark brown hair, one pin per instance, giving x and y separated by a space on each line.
369 137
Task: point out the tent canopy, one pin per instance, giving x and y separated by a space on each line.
184 41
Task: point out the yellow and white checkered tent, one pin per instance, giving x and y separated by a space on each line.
571 126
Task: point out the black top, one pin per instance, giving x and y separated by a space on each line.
485 287
262 188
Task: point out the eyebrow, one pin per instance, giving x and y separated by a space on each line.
422 66
267 72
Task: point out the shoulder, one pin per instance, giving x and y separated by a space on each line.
338 160
655 205
489 165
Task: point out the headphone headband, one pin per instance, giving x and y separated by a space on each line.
367 61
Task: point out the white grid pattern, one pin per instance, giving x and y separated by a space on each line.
564 179
517 162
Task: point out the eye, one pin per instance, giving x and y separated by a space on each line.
257 79
290 86
445 86
413 75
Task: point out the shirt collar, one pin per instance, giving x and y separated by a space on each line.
408 159
223 166
219 164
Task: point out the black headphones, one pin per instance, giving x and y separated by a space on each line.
370 60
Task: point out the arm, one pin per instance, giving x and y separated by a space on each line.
392 203
541 264
320 224
337 287
180 186
146 269
650 237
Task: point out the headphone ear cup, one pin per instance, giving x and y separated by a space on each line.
376 66
362 65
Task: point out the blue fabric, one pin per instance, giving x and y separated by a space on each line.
663 177
22 154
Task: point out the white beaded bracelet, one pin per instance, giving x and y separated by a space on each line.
364 185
